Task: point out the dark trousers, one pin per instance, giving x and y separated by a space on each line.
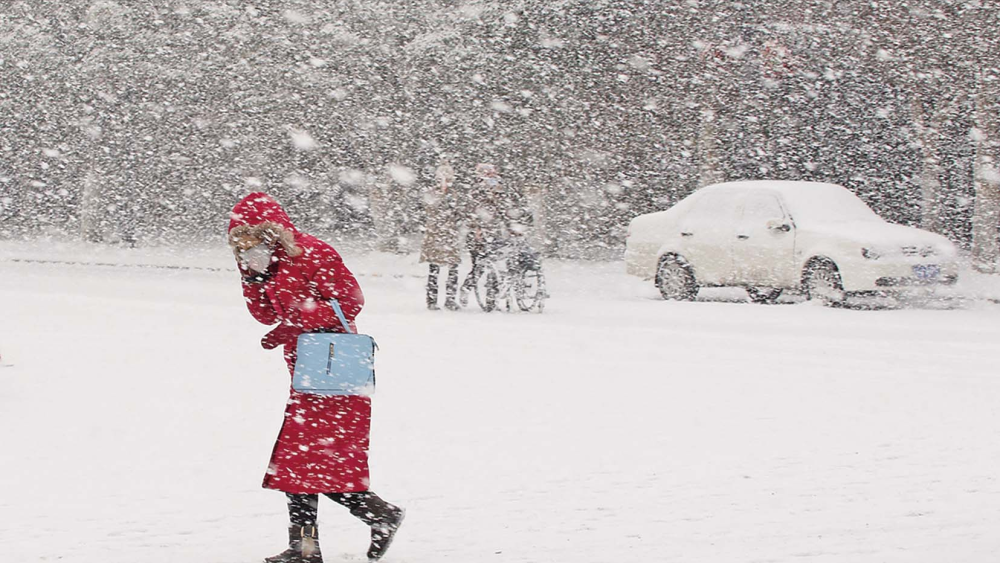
478 265
366 506
451 289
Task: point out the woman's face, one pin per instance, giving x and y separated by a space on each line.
253 252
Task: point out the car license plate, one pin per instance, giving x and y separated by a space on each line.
927 272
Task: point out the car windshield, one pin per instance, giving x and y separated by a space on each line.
825 203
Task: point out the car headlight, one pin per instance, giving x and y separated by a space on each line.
870 254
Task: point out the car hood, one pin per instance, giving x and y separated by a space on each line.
883 236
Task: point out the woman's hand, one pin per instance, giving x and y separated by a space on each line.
256 278
279 336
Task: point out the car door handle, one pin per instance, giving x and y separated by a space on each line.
743 237
687 234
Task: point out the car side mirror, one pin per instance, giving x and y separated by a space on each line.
777 225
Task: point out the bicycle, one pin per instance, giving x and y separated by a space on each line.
511 273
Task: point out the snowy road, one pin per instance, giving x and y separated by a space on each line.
139 414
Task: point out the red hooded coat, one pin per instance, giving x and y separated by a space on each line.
323 443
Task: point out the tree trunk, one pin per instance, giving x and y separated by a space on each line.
930 173
384 216
985 247
90 200
536 203
707 150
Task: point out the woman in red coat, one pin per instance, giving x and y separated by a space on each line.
289 279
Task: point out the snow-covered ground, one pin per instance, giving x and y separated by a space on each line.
140 411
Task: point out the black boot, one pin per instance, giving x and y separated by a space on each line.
383 518
303 547
468 285
383 532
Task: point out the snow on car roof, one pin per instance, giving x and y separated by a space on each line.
810 201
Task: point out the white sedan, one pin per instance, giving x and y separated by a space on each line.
774 236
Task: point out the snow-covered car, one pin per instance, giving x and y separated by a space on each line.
773 236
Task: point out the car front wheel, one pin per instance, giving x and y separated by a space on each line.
675 280
821 281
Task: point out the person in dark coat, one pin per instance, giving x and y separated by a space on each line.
289 278
498 213
441 245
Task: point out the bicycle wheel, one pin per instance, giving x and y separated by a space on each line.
486 288
529 289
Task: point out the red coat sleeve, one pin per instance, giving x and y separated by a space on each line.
259 303
332 280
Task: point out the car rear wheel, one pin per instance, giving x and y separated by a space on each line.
821 281
764 295
675 280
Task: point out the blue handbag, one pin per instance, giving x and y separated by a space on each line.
333 363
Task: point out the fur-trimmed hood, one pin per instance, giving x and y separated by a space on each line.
260 215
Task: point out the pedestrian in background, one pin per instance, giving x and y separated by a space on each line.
497 213
442 244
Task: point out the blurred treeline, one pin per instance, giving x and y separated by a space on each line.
144 121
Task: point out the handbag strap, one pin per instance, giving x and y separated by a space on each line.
340 315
